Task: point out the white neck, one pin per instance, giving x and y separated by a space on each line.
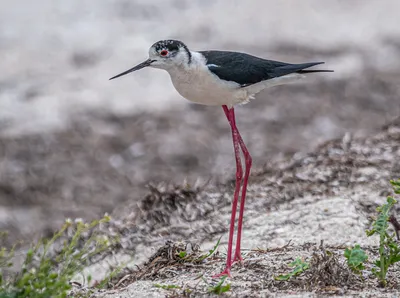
197 61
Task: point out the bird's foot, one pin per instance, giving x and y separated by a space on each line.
226 272
237 259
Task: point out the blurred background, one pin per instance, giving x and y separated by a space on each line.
73 144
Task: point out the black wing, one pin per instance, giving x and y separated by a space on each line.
246 69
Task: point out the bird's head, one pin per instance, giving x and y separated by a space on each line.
164 54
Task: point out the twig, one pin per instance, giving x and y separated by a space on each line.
121 280
259 250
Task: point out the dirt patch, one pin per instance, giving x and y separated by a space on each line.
329 194
328 275
326 195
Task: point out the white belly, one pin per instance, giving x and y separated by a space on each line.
200 86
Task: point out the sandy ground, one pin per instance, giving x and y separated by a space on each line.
328 195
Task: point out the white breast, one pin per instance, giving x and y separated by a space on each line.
197 84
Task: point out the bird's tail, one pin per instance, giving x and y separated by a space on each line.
314 70
298 68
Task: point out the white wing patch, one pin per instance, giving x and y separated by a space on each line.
212 65
257 87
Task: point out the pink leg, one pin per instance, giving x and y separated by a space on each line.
230 114
248 161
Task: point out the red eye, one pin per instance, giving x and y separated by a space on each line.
164 53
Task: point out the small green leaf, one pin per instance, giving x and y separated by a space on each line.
299 267
182 254
396 186
396 259
356 258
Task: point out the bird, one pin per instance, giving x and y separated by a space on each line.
227 79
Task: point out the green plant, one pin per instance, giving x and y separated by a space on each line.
219 288
194 257
6 256
167 287
210 252
299 267
50 264
389 251
356 258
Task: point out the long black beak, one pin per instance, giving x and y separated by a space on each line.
137 67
